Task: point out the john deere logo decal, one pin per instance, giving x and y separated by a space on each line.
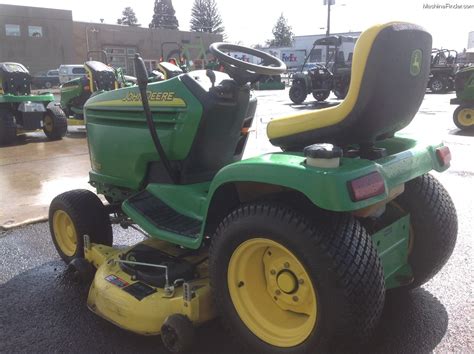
415 64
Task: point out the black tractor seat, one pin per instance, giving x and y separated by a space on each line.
15 79
101 76
390 70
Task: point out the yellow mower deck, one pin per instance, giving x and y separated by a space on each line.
110 299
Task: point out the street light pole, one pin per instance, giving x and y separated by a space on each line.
328 31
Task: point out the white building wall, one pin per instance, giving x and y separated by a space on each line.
470 42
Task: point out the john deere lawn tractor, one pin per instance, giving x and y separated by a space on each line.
294 250
322 79
463 115
20 111
102 77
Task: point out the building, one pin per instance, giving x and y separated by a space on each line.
44 39
470 41
295 55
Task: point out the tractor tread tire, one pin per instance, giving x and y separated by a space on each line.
7 127
89 216
342 247
59 123
434 222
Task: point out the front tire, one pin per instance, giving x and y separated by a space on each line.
297 93
55 123
7 127
433 224
437 85
74 214
321 95
282 284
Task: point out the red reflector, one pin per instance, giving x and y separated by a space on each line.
444 155
366 187
87 88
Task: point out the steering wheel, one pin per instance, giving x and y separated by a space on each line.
242 71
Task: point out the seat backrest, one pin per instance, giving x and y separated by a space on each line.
102 77
14 79
389 74
393 83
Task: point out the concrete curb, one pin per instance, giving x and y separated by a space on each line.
23 223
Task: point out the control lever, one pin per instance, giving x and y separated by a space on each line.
211 75
142 80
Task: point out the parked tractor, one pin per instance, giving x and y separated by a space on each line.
320 80
443 68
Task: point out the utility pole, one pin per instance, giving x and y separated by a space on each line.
328 27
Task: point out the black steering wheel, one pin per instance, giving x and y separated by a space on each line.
242 71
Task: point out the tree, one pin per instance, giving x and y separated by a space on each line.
205 17
128 18
283 36
164 15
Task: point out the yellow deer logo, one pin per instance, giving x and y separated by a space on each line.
415 64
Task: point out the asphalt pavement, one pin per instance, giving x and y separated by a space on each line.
43 310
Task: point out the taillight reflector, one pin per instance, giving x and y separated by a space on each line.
444 155
367 186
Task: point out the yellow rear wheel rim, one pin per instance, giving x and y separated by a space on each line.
466 117
65 232
48 123
272 292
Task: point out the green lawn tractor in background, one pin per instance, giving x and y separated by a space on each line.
100 77
443 68
21 112
463 115
322 79
294 250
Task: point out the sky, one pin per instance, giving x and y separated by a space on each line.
251 21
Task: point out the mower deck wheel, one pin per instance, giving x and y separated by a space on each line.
177 334
7 127
463 116
283 283
55 123
82 270
74 214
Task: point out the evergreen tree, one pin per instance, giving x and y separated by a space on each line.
128 18
283 36
164 15
205 17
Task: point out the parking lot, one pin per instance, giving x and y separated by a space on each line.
44 311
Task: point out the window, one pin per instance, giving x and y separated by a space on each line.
78 70
35 31
12 30
315 56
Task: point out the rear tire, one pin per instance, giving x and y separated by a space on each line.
7 127
297 93
74 214
434 227
335 257
55 123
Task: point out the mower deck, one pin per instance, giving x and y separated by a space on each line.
127 301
